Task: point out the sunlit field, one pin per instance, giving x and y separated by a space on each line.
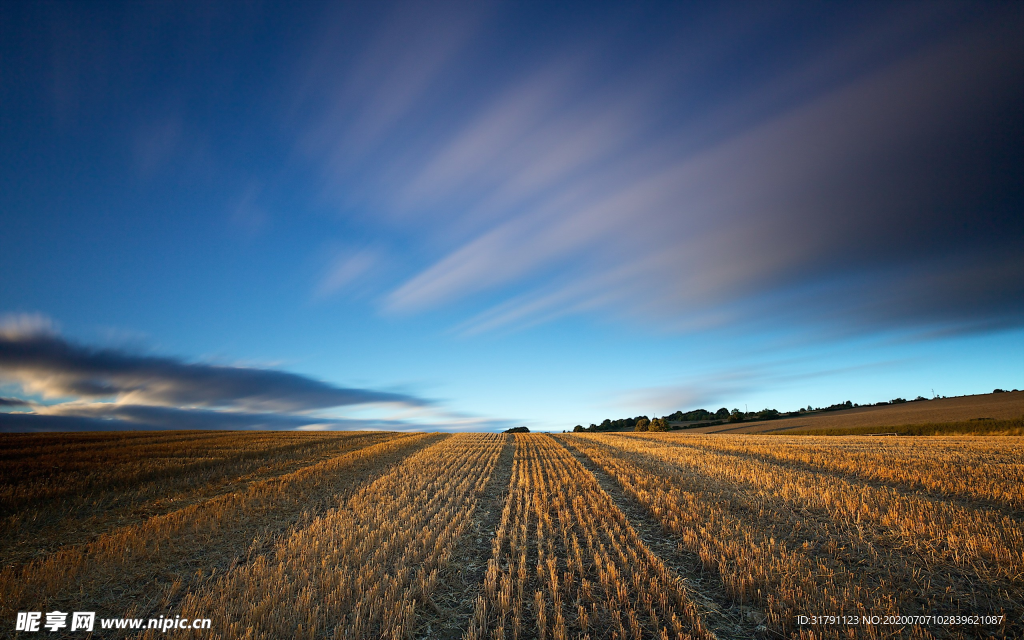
489 536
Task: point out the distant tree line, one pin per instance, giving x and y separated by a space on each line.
705 418
621 424
658 424
698 415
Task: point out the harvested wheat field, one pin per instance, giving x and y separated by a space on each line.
493 536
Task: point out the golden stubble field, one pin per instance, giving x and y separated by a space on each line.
479 536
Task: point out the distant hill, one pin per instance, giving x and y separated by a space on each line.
998 406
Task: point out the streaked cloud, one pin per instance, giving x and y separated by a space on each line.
345 270
350 184
880 170
372 90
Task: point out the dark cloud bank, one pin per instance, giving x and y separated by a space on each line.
165 393
143 418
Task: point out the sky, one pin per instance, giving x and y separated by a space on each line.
478 215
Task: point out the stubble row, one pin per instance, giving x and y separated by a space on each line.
566 562
796 543
362 569
981 470
140 569
56 493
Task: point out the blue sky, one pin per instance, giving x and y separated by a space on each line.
480 215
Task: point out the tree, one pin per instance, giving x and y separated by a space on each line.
578 428
658 424
722 413
642 424
736 416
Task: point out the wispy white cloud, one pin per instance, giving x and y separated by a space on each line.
362 97
345 270
851 181
14 326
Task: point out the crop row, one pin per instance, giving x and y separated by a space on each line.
57 469
979 470
797 543
566 562
145 565
91 494
985 541
362 569
356 535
